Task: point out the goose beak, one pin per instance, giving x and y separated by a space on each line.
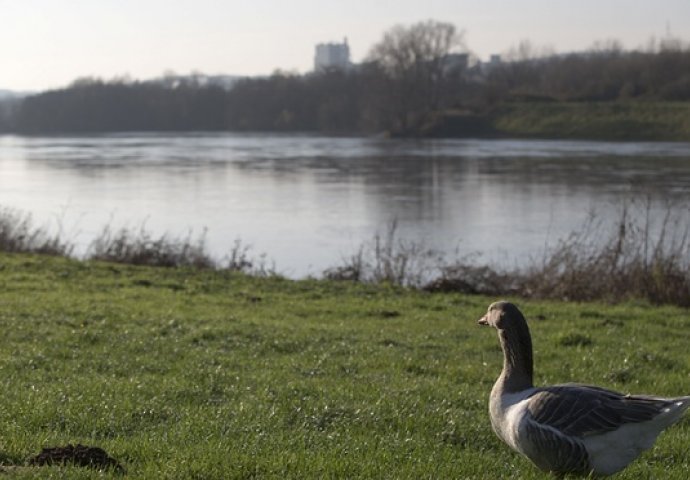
483 320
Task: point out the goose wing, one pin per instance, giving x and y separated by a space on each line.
579 410
553 451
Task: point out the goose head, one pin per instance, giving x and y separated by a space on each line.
502 315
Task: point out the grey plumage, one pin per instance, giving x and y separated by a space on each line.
583 410
554 452
568 428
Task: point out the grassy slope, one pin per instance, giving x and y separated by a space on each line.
183 374
596 121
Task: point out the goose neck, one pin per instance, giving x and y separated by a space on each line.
517 371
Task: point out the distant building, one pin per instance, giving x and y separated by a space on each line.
495 61
332 55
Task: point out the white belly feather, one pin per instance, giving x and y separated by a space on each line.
508 414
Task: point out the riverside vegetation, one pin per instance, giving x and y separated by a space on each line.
621 121
637 257
188 371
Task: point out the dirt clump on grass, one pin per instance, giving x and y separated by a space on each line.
81 455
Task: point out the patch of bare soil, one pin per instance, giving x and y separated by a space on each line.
81 455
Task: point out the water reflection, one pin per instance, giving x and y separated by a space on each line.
307 200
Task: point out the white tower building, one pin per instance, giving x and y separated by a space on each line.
332 55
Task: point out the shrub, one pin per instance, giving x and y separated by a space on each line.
140 248
18 234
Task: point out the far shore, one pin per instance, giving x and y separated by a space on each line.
652 121
611 121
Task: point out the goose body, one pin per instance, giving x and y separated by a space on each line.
568 428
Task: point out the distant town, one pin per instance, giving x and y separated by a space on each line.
336 55
418 80
327 56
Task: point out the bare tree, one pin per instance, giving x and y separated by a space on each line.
412 60
525 50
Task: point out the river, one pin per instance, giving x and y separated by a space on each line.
308 201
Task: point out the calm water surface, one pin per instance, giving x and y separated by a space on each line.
308 201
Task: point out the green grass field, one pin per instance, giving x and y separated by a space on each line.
202 374
596 120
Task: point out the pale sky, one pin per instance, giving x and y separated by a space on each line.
48 43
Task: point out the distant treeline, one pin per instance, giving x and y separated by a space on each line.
608 74
404 87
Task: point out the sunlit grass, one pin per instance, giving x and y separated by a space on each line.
634 120
182 373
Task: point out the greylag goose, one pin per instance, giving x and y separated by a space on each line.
569 428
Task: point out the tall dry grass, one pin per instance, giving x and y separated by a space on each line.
140 247
18 234
637 256
387 258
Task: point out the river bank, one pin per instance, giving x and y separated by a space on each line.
613 121
634 258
